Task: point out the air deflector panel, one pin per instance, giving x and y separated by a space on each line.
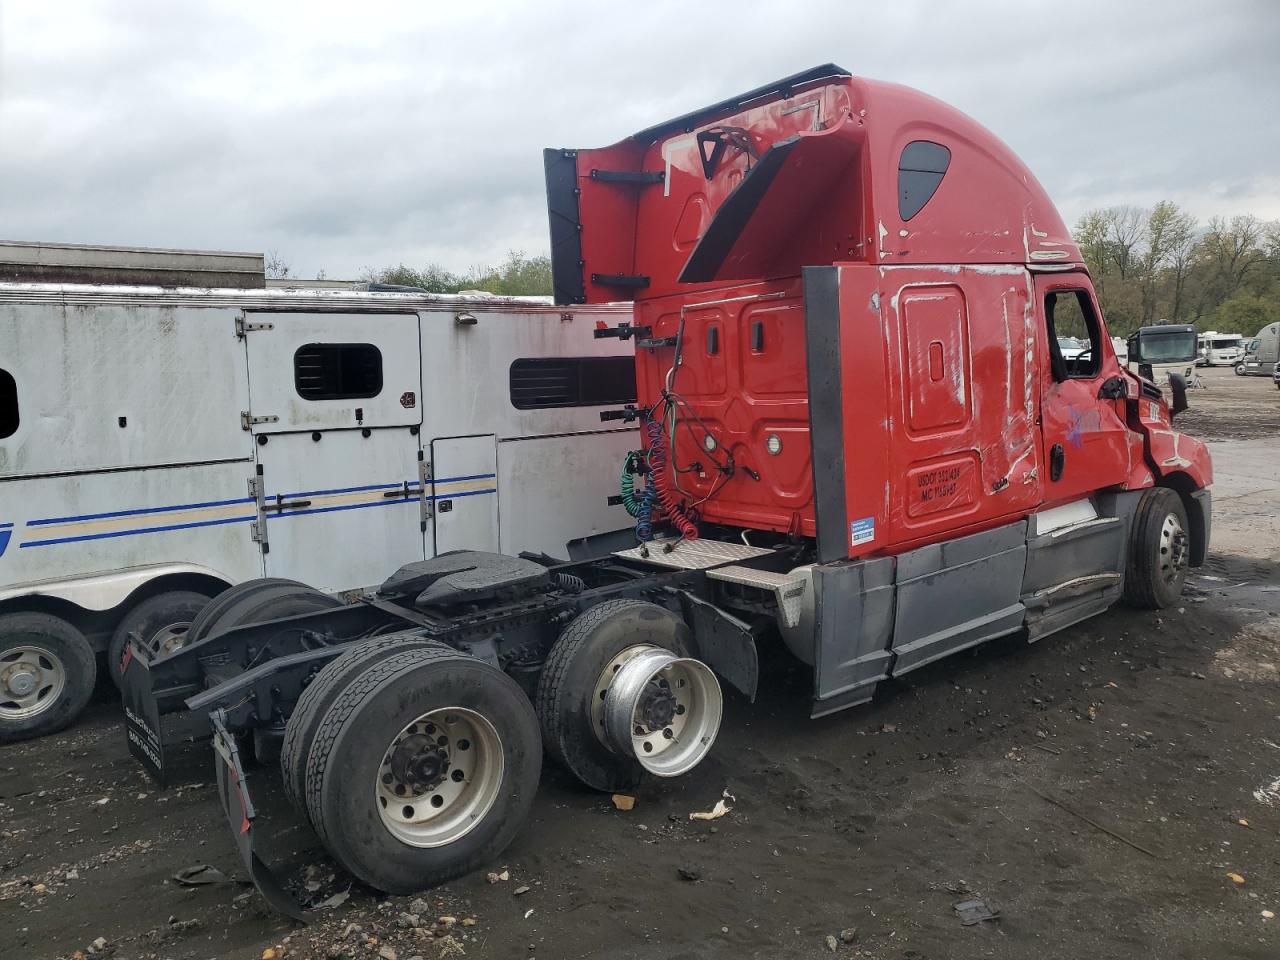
797 206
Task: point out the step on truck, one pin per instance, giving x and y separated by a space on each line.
185 440
860 440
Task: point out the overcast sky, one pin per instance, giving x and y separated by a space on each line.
359 135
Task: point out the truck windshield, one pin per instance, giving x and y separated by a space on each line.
1168 347
1252 347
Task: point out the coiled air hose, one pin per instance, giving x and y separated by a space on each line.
638 504
659 482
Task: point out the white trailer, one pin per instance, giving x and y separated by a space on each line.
159 445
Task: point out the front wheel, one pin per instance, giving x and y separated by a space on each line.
424 768
1239 368
1159 551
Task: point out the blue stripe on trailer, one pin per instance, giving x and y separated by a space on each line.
140 511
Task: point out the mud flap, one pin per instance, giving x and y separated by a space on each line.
233 791
142 715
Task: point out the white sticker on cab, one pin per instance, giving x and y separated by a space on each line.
862 531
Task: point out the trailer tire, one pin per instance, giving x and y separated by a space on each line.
1159 551
318 696
353 750
569 679
41 652
271 601
215 607
175 610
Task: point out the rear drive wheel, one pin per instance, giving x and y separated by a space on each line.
47 671
214 608
1159 551
269 601
319 695
619 695
159 624
423 768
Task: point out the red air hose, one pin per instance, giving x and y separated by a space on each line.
661 482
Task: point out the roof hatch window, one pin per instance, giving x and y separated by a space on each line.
920 169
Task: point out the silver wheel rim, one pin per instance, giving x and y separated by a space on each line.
1173 550
168 639
31 681
672 739
439 777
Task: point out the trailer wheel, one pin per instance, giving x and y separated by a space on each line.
1159 550
159 624
215 607
605 722
47 671
318 696
270 601
423 768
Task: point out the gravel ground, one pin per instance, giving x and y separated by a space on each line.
1111 792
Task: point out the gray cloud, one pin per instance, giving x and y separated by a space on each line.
347 136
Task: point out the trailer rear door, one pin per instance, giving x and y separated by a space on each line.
334 405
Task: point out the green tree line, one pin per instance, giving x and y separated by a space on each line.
1163 264
519 275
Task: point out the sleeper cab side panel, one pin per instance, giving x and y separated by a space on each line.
958 593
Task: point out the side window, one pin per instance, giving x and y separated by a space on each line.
920 170
337 371
8 405
1075 337
538 383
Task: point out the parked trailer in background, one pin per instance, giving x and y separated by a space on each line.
1261 353
862 441
159 445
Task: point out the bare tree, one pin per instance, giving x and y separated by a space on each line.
275 267
1234 248
1125 229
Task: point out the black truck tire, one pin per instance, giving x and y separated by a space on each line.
47 672
269 602
318 696
174 610
213 610
1159 551
571 675
386 704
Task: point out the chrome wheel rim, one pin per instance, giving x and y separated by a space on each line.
1174 550
31 681
660 709
439 776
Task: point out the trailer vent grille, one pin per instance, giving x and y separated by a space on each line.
541 382
337 371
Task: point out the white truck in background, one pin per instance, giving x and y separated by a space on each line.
158 445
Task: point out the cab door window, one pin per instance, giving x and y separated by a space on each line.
1075 336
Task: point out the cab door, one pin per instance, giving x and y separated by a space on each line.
334 406
1084 440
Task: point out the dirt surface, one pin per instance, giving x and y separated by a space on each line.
1097 789
1230 407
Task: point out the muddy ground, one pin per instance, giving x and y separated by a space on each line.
1098 789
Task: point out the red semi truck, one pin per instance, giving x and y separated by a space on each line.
861 439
